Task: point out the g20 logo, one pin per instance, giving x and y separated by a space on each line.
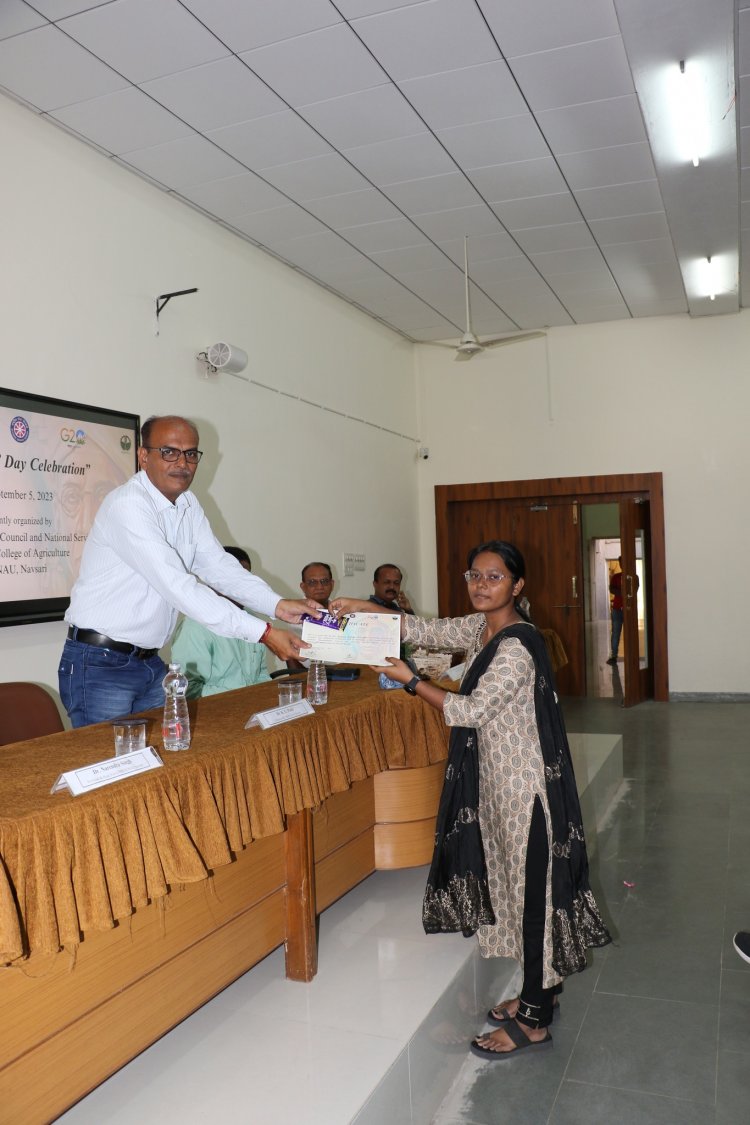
72 437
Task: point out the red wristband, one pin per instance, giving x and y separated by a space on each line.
266 631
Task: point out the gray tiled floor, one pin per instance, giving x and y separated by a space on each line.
657 1031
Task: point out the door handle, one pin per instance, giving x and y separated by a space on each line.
629 581
574 587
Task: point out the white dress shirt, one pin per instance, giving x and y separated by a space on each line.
139 568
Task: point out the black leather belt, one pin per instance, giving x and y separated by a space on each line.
99 640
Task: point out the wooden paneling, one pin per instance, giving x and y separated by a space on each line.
38 1086
344 816
125 988
404 795
404 845
48 994
344 868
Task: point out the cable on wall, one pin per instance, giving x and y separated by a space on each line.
331 410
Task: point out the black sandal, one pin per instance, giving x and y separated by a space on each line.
517 1036
503 1021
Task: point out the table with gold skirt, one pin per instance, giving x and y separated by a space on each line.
123 910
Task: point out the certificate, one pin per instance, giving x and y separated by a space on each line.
361 638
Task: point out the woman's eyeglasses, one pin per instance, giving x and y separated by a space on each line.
492 579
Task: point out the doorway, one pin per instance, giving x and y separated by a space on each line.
544 517
604 680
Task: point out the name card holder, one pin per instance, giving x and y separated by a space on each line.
104 773
275 716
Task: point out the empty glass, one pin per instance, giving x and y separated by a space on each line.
290 691
130 734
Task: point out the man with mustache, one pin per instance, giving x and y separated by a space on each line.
386 584
149 556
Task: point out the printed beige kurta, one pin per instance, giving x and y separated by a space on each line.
511 772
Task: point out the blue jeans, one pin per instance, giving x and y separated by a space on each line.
616 630
99 684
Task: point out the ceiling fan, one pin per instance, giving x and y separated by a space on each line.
470 345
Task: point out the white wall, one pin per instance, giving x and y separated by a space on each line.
668 395
86 246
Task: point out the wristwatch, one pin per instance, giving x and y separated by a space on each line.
411 687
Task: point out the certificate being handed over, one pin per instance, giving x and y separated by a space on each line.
361 638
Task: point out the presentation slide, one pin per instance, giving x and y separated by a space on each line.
56 466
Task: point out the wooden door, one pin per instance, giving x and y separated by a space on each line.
637 599
467 514
548 536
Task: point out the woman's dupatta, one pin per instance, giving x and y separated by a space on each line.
457 895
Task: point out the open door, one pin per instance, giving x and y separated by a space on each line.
637 599
549 537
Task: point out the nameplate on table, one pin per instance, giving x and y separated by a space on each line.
275 716
104 773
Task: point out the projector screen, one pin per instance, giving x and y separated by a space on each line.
58 460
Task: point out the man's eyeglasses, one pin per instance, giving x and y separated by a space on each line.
318 581
493 579
169 453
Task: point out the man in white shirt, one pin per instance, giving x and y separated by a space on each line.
149 556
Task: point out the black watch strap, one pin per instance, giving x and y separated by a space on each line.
411 687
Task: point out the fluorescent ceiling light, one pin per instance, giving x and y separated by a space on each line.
711 277
686 105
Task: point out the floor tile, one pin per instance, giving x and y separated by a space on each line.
734 1012
733 1088
581 1104
512 1090
234 1074
624 1041
391 1101
640 965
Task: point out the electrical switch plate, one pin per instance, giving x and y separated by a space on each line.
348 566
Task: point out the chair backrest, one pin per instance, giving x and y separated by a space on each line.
26 711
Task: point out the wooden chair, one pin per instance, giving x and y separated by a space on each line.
26 711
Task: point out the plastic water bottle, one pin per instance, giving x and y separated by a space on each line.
175 727
317 683
387 684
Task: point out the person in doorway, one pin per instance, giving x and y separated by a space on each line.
214 664
615 589
510 857
149 556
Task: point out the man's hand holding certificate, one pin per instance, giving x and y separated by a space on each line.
361 638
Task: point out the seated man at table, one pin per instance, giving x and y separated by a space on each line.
212 663
317 583
386 586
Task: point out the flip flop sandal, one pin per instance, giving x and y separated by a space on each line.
519 1037
503 1021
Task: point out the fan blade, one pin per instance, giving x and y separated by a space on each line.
517 339
437 344
464 357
